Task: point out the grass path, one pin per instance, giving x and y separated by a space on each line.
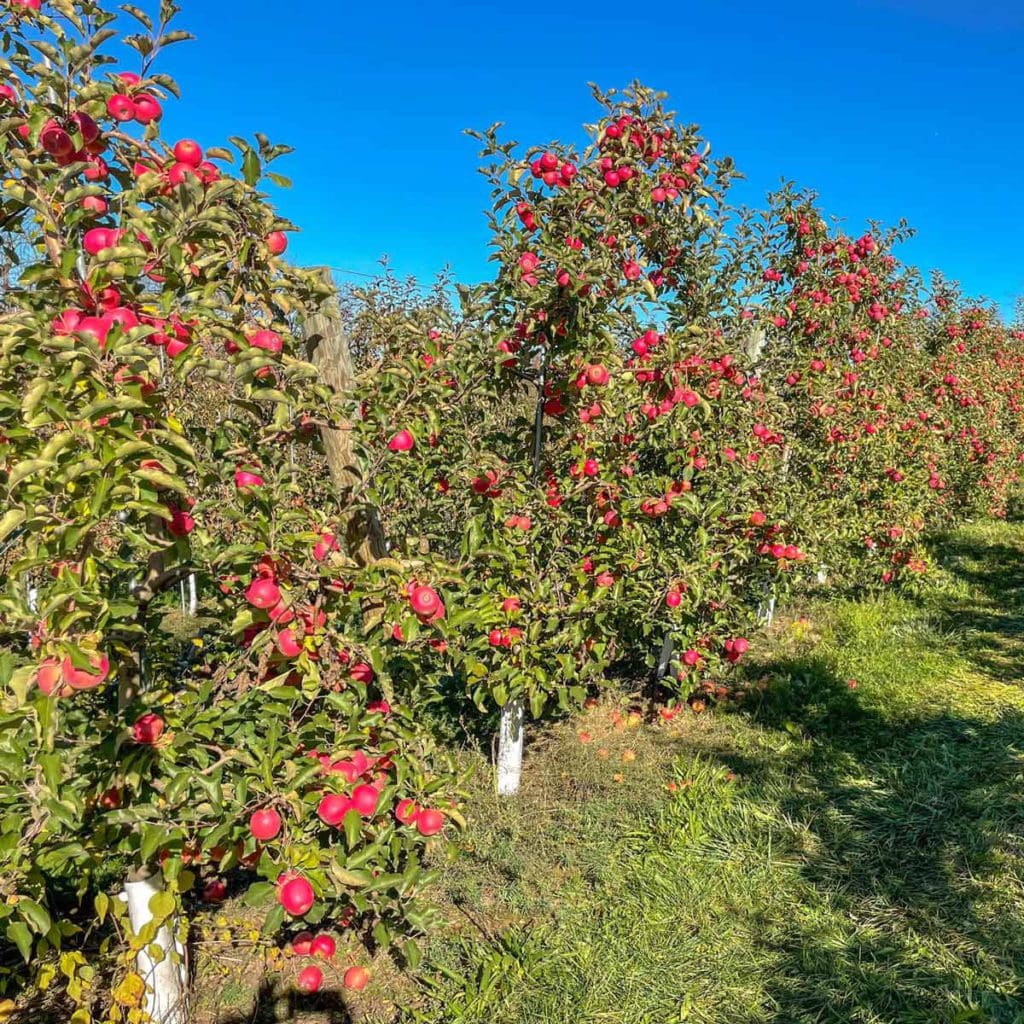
831 854
846 847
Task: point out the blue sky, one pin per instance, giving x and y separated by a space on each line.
889 108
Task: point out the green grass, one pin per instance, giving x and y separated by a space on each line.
840 853
831 852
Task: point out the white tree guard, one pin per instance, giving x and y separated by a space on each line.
510 748
193 595
166 990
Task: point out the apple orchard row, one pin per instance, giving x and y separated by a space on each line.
658 415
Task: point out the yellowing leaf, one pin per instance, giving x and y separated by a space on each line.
130 990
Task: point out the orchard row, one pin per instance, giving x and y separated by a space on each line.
659 415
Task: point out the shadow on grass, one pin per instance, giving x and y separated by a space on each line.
989 630
911 821
276 1003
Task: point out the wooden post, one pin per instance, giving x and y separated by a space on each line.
328 350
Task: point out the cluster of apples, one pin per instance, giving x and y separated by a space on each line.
57 677
310 979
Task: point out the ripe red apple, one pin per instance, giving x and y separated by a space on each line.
424 601
265 824
147 109
333 807
403 441
181 523
270 341
277 242
121 107
309 980
55 140
295 894
356 979
95 204
288 643
148 729
244 480
406 811
179 173
215 891
188 151
207 172
323 945
597 375
364 800
50 678
429 822
263 593
673 599
80 679
324 546
87 127
302 944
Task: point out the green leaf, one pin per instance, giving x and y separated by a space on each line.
18 933
353 828
162 904
10 521
251 167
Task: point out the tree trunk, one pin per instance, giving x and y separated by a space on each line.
510 748
328 350
166 988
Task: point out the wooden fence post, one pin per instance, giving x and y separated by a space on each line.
328 350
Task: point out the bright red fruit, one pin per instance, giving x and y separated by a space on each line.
50 679
277 242
148 729
309 980
295 894
188 151
263 593
403 441
265 824
356 979
121 107
147 109
406 811
332 808
429 822
302 944
245 479
364 800
323 945
425 601
80 679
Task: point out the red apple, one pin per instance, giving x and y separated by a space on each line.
323 945
277 242
406 811
265 824
403 441
147 109
356 979
309 980
364 800
148 729
429 822
121 107
263 593
295 894
188 151
332 808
